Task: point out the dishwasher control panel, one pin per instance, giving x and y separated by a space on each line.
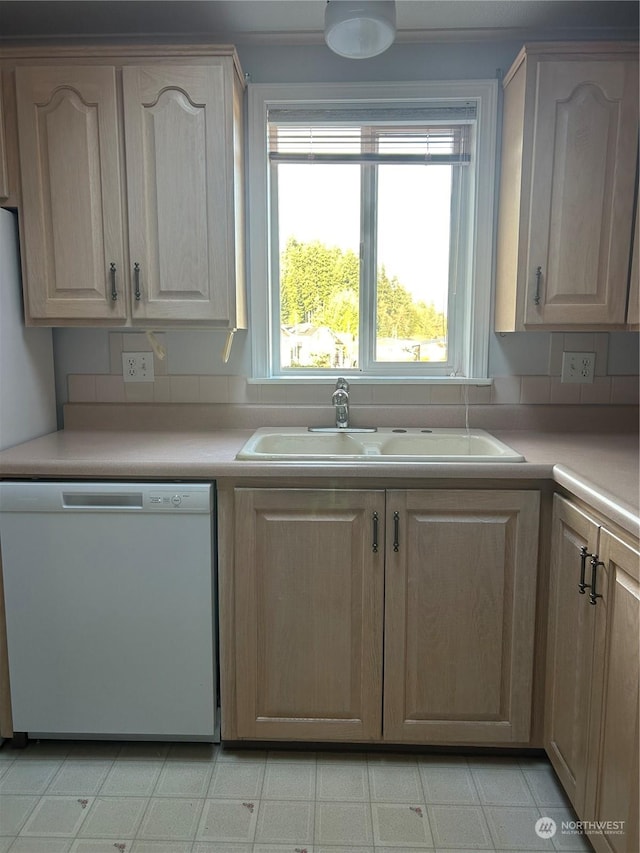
106 497
175 499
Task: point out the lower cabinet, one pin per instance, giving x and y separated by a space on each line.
308 614
593 668
461 570
372 615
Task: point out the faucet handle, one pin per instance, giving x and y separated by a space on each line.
342 383
340 397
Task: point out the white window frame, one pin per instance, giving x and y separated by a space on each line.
475 314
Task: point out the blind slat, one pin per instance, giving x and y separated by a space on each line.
368 115
435 159
290 140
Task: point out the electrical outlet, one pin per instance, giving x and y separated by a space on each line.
578 367
137 366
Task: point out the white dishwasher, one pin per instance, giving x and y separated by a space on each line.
110 603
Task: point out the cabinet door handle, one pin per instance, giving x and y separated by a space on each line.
536 298
582 586
374 544
112 274
396 531
593 595
136 279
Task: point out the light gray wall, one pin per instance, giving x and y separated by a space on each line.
402 62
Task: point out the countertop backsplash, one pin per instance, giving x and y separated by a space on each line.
524 369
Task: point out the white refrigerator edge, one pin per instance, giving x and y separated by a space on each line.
27 385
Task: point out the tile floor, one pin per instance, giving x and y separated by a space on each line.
75 797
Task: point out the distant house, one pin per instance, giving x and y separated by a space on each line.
306 345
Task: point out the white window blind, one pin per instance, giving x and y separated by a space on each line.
439 135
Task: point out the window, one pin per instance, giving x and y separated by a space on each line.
371 227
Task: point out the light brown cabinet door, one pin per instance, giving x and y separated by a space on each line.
612 789
74 259
4 171
460 588
308 606
582 189
633 309
569 648
179 150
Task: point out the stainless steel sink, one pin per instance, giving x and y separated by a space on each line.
386 444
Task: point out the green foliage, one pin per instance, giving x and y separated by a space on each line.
319 285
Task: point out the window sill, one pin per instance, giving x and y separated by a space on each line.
363 381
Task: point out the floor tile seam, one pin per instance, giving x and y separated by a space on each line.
192 838
488 822
457 806
556 784
474 783
368 792
5 766
428 759
303 845
371 797
176 796
315 805
82 837
162 770
118 765
25 756
293 756
280 799
201 801
513 805
96 797
29 813
530 789
48 792
370 806
191 759
71 838
422 785
376 760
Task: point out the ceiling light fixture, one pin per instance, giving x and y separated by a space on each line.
359 30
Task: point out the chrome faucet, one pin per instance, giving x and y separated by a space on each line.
340 399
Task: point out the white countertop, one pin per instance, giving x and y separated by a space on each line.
601 469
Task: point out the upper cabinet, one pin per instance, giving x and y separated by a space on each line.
569 153
72 185
179 156
131 187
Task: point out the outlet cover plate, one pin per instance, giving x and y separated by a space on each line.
578 367
137 366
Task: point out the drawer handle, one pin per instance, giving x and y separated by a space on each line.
374 544
136 279
593 595
396 531
112 274
582 586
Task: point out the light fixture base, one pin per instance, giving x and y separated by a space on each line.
359 30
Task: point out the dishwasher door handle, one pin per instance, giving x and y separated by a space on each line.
97 500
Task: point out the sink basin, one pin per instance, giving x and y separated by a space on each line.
384 445
306 444
443 443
